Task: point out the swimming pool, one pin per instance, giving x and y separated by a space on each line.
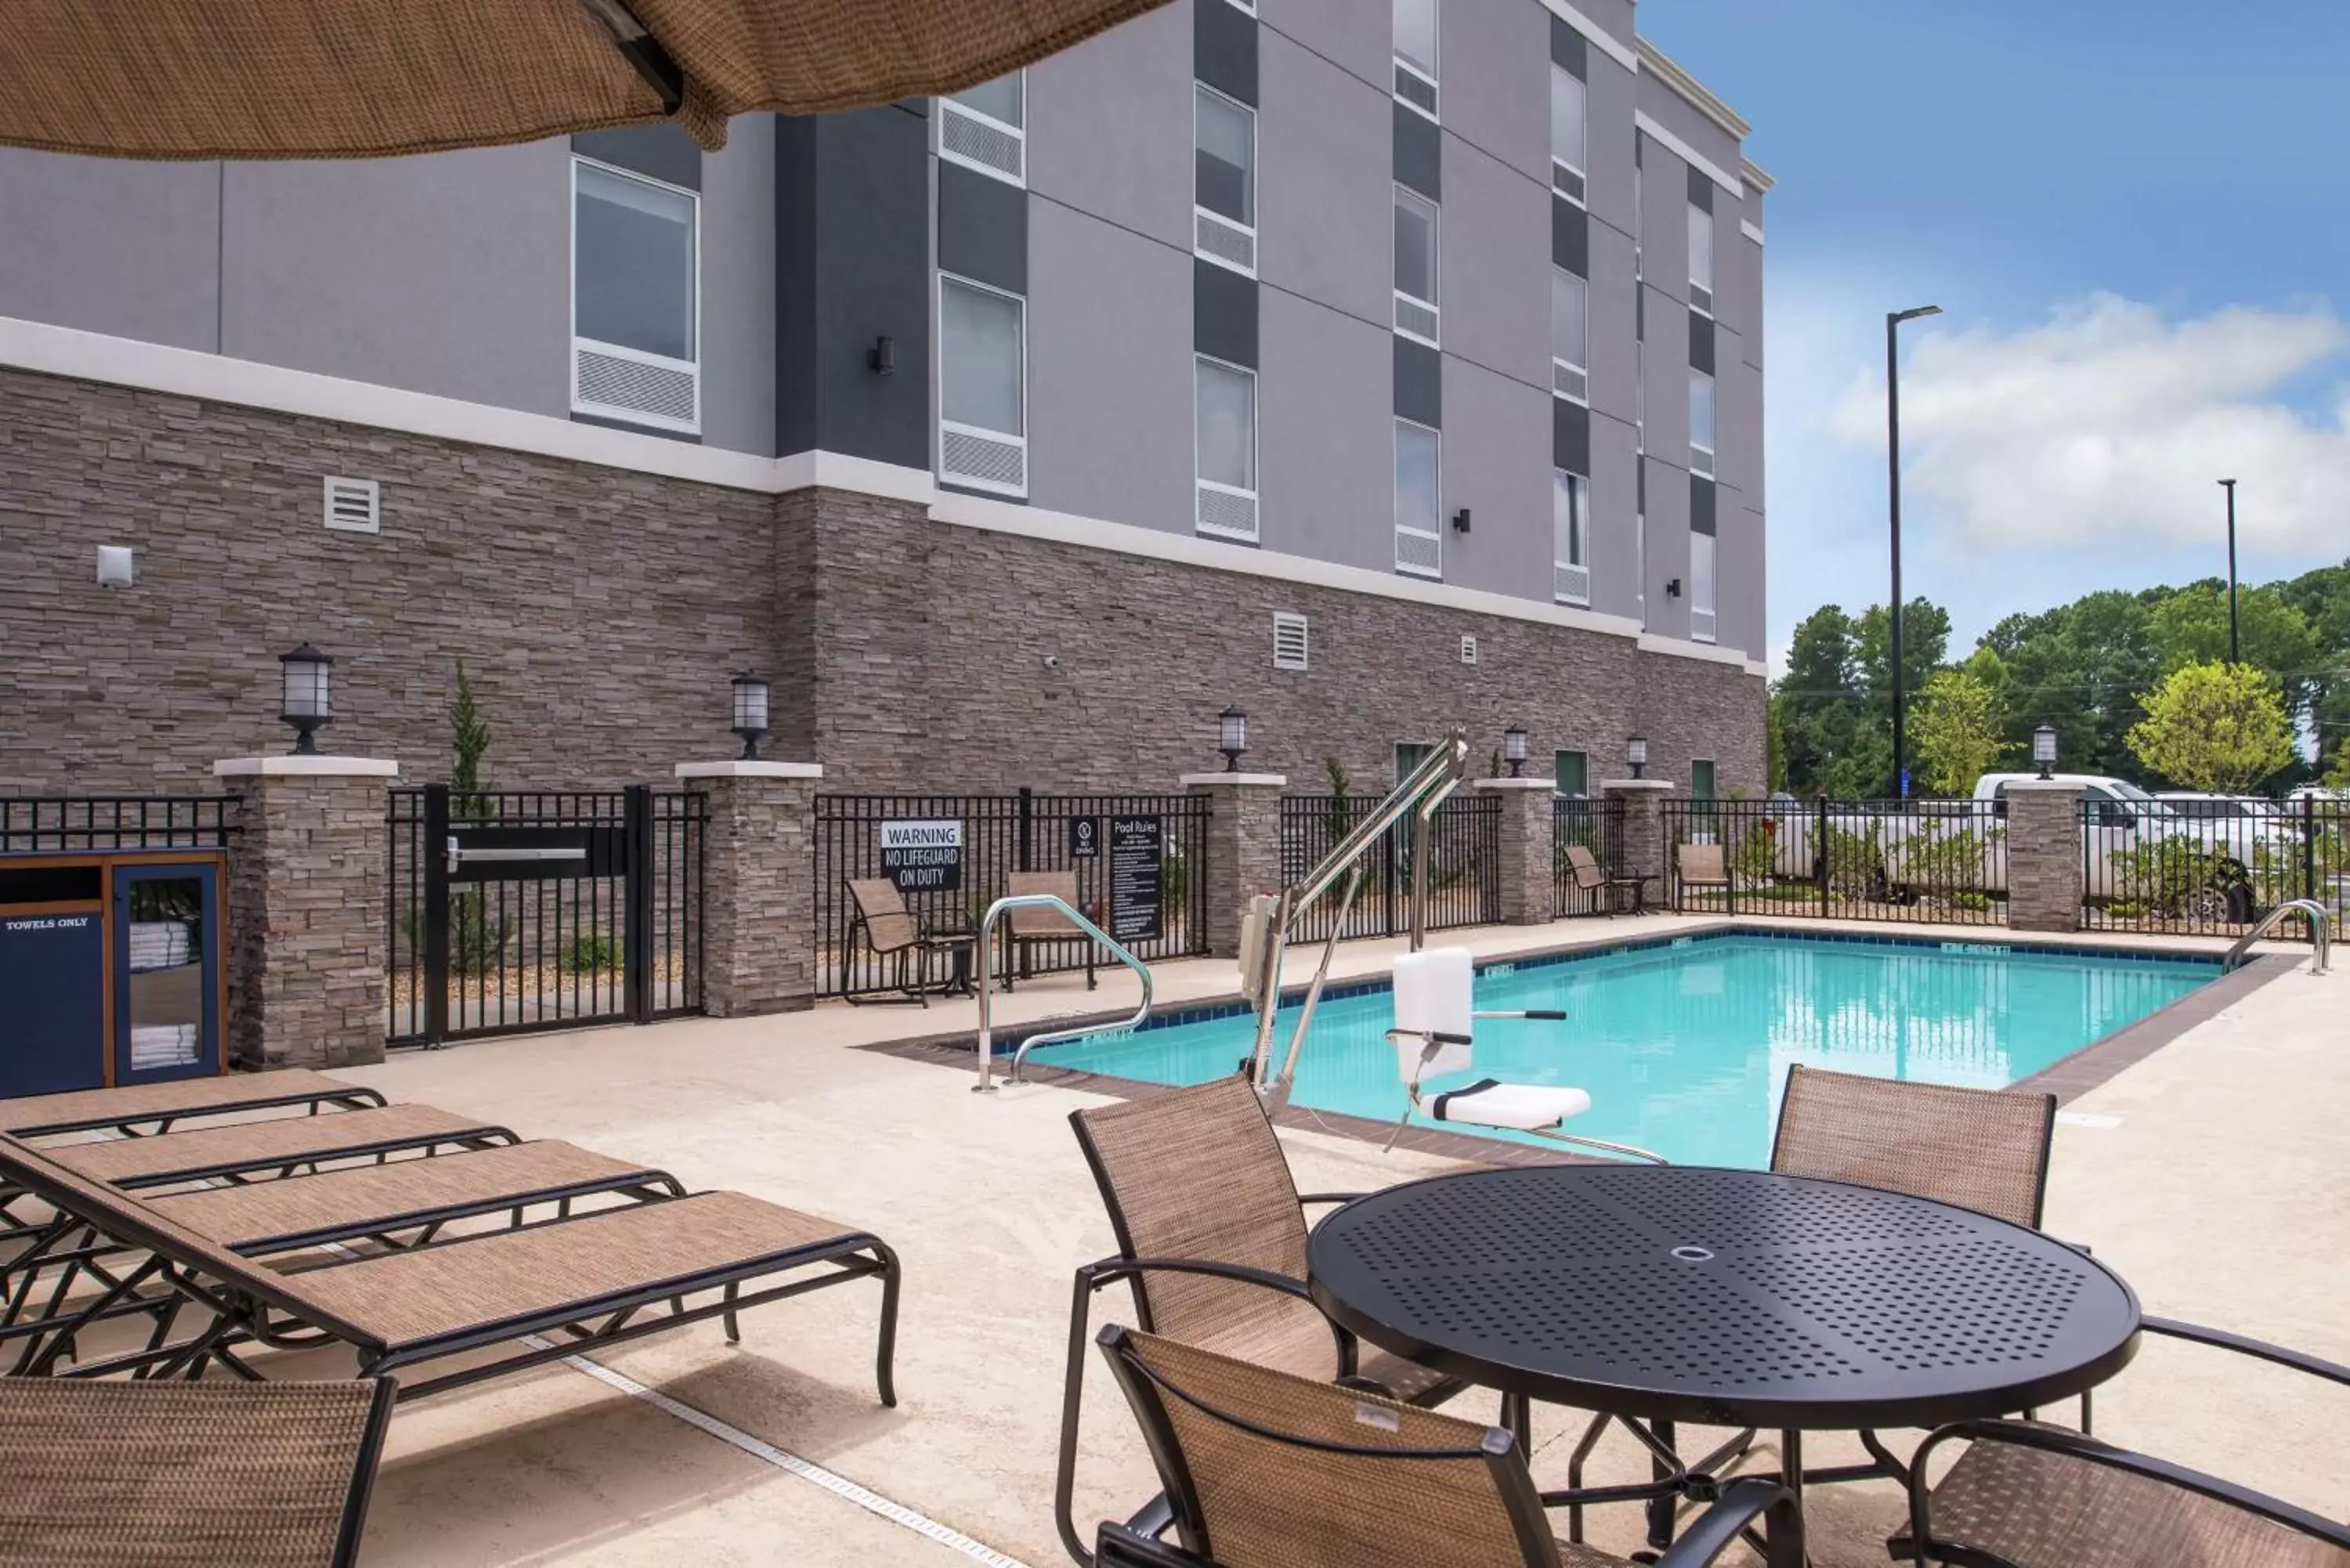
1683 1045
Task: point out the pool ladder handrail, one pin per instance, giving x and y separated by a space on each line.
1118 949
2321 933
1426 788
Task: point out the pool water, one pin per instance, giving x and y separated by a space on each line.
1683 1048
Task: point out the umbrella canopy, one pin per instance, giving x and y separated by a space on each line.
353 79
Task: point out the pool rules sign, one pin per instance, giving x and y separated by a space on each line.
923 857
1134 879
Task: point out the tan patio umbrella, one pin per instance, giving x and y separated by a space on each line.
353 79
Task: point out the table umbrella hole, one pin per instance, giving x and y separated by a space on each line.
1693 1254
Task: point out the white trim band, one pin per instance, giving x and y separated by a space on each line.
1550 785
1654 132
741 768
291 765
1252 781
1615 48
1750 229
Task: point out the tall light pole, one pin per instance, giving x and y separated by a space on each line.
1893 320
2235 655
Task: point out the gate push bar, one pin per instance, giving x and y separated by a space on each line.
459 856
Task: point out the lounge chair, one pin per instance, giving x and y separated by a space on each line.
2023 1495
284 1144
1212 1240
1024 927
891 931
1700 866
1434 1020
539 1294
1265 1469
198 1475
1603 885
152 1108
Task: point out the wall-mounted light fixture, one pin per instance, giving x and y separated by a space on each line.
882 358
1672 587
1461 520
114 566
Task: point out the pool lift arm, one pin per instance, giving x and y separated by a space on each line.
1265 931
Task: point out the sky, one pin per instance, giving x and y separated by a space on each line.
2134 216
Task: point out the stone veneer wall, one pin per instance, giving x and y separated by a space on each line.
305 978
600 613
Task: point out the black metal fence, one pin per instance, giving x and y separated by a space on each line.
31 823
1596 826
1941 862
997 835
1464 868
524 910
2212 867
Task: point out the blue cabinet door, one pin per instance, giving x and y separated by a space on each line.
52 1000
166 972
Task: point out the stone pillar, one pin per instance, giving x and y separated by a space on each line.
307 928
1529 878
2043 855
1244 848
1645 849
758 886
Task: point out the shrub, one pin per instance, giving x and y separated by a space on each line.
1971 900
589 952
2176 875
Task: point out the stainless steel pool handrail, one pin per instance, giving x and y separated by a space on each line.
2321 933
1437 778
1118 949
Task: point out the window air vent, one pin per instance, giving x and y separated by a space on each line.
1414 318
1569 382
1222 240
982 144
1701 626
1289 640
1701 299
354 505
1566 182
1572 585
624 385
1468 648
986 461
1701 463
1415 89
1226 512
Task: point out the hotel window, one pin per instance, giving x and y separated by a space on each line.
1415 314
1700 424
1701 582
1700 780
1566 133
985 128
1419 546
1570 332
636 329
1570 773
983 387
1224 197
1415 54
1224 418
1701 260
1570 527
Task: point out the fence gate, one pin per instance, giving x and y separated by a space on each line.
516 910
1464 884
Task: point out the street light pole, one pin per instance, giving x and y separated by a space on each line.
1893 320
2235 654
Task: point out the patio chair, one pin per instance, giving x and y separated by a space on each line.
1700 866
1985 1149
152 1108
891 931
563 1288
1434 1019
1267 1469
1592 878
1024 927
1212 1240
2022 1495
199 1475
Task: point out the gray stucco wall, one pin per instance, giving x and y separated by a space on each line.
1502 107
1496 446
131 249
738 289
1326 432
1325 226
1496 274
1110 127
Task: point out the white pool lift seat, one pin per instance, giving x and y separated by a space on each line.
1435 1020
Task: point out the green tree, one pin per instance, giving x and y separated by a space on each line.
469 737
2192 628
2215 727
1924 638
1954 730
1825 746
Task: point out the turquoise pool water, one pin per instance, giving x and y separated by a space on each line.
1683 1048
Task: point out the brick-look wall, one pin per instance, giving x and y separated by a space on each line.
1244 849
599 612
758 897
930 642
2044 873
306 938
1643 838
1529 887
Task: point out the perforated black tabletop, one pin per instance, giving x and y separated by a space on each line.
1729 1297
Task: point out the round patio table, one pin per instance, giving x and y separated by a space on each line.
1734 1298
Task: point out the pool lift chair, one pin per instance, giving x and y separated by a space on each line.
1435 1016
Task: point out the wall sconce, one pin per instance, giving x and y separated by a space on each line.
1672 587
749 712
306 701
1461 520
882 358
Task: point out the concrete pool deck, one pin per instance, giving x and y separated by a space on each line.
2207 1173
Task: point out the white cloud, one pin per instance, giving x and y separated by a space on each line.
2108 425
